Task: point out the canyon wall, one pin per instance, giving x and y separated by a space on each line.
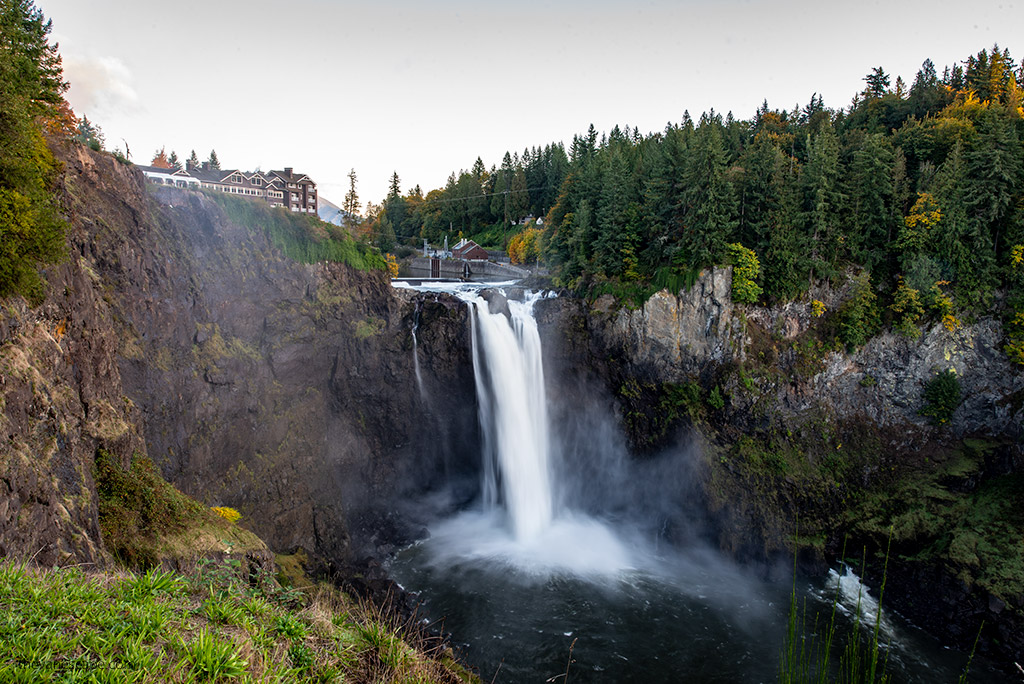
282 389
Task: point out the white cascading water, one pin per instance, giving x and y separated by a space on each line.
416 357
519 524
513 413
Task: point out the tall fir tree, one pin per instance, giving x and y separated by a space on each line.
351 202
870 192
706 217
31 93
823 201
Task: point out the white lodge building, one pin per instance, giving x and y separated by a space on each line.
296 191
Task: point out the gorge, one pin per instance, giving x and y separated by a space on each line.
346 419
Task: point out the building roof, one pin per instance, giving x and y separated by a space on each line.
289 175
205 173
164 170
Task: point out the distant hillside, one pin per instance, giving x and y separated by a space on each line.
329 211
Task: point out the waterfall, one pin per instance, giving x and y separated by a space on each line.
509 375
519 525
415 355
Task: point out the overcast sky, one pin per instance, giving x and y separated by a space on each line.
423 88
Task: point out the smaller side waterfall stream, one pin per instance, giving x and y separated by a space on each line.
415 353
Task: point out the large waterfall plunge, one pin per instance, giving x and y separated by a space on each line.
509 374
520 521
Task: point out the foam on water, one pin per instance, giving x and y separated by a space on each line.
567 545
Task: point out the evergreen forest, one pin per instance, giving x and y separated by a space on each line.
916 194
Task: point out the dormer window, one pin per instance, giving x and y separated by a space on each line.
236 178
257 181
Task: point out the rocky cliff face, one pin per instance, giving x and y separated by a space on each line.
794 427
281 389
62 400
700 331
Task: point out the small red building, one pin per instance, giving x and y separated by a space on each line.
467 249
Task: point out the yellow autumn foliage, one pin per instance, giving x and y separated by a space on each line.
229 514
392 263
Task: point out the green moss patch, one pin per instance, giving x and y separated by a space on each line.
937 515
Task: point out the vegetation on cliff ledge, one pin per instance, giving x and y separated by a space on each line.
224 619
302 237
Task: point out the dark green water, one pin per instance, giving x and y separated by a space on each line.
692 618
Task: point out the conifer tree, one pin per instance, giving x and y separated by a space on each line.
761 192
351 202
90 134
877 84
964 251
31 92
160 159
994 166
707 213
610 237
870 191
823 200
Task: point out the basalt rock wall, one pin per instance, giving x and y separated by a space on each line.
282 389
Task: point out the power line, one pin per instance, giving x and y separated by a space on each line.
487 194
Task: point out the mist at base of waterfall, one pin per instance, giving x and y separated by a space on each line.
515 608
572 545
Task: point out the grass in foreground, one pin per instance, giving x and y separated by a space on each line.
68 625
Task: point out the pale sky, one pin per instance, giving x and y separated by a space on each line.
424 88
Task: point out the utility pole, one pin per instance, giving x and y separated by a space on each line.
507 223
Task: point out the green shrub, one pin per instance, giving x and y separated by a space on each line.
859 318
746 269
211 660
941 396
136 506
675 278
907 305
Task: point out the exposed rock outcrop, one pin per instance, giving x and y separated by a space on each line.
281 389
700 331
